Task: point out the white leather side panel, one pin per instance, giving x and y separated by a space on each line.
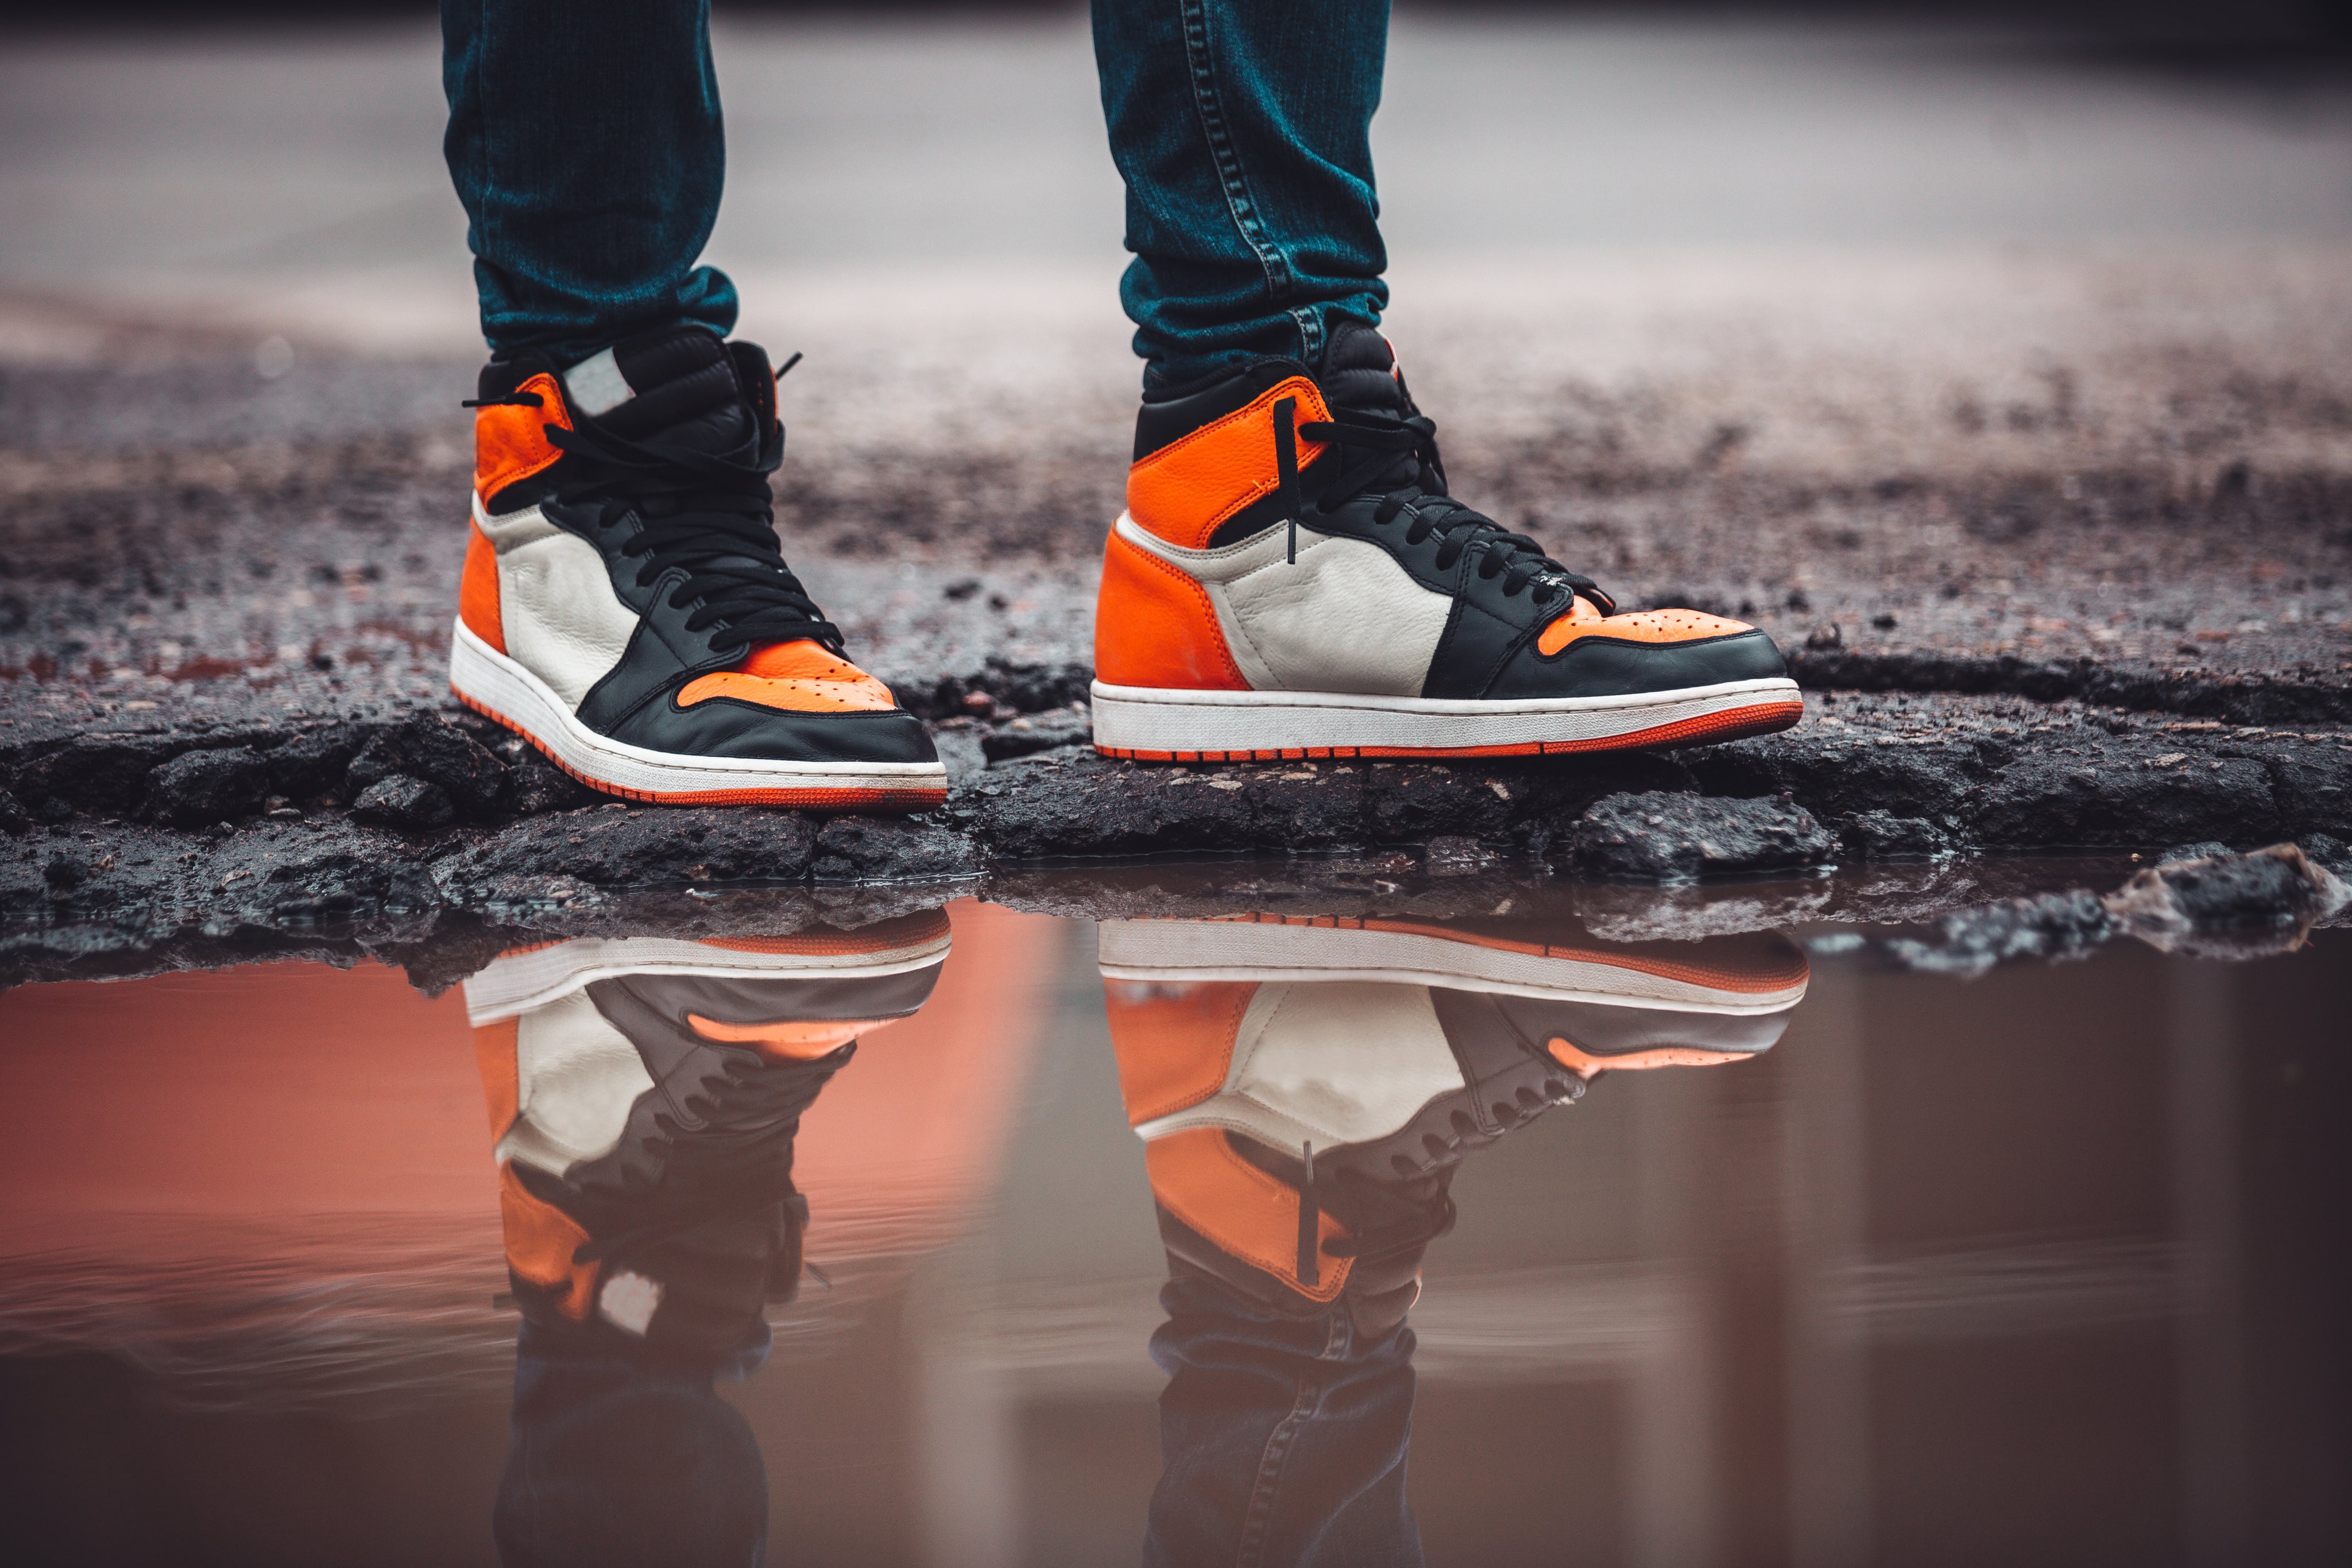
1344 617
512 529
1326 1063
575 1078
556 603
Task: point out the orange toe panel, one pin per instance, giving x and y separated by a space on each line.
792 1039
1645 626
802 676
1589 1067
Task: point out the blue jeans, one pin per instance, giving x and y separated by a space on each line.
586 144
1283 1445
624 1459
1282 1440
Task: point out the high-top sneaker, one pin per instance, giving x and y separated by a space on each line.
1292 578
645 1094
1303 1111
626 608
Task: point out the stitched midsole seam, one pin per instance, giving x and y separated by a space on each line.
514 984
1193 951
1768 689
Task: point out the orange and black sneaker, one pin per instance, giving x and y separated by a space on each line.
625 605
1292 578
1305 1089
645 1093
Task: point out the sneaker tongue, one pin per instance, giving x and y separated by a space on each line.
1358 372
674 387
684 387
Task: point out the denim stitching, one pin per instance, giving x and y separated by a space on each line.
1251 1550
1337 1338
477 149
487 163
1310 333
1238 201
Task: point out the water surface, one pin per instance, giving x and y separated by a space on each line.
1480 1239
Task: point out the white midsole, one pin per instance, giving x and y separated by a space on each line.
507 688
1194 950
1153 718
516 982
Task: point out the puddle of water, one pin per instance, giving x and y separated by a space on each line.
1349 1240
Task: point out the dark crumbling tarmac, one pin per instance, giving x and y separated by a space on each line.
282 890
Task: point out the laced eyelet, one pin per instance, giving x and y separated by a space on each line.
1393 461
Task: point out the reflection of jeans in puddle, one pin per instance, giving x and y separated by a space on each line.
628 1460
1283 1438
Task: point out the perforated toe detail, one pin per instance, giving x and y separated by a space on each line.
802 676
1643 626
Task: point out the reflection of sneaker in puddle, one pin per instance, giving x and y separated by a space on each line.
645 1093
1760 973
1305 1089
528 978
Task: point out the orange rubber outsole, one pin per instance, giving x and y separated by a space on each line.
1732 723
804 799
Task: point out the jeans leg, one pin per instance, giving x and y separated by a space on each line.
1282 1439
1242 130
620 1462
586 143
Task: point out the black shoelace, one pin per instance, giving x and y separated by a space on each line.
1414 1223
1423 1212
711 516
739 1161
1399 457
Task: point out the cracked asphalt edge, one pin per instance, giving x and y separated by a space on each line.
1881 809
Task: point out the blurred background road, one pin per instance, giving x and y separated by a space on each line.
1962 339
290 176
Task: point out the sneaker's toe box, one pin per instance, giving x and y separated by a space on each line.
734 727
1650 651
